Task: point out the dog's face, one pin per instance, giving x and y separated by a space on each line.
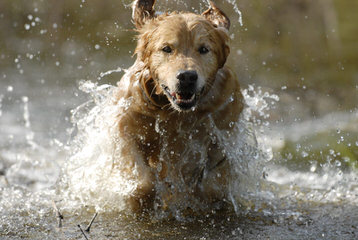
183 53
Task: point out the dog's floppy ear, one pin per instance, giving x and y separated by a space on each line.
142 10
216 16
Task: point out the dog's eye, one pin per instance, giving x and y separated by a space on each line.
167 49
203 50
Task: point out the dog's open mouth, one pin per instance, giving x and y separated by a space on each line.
184 100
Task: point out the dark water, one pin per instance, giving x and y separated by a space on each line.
308 130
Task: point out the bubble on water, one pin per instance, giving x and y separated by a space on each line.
24 99
54 25
331 152
29 55
346 159
338 163
304 154
10 88
30 17
313 167
27 26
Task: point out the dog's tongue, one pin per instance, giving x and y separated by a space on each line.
174 95
183 96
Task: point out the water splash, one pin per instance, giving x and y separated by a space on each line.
26 163
237 10
103 74
89 169
90 176
259 105
1 97
29 134
235 7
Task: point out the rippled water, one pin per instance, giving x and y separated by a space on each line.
289 180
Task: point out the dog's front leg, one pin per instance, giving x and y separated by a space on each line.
133 163
214 177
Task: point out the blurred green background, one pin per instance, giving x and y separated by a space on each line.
300 49
304 51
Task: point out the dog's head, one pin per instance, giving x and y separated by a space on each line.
182 51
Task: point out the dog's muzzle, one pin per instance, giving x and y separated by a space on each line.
186 93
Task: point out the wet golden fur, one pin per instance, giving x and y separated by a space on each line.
153 120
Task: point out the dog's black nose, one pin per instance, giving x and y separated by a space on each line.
187 77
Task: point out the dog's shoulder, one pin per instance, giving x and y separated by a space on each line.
224 101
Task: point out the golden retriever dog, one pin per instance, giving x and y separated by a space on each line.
180 94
